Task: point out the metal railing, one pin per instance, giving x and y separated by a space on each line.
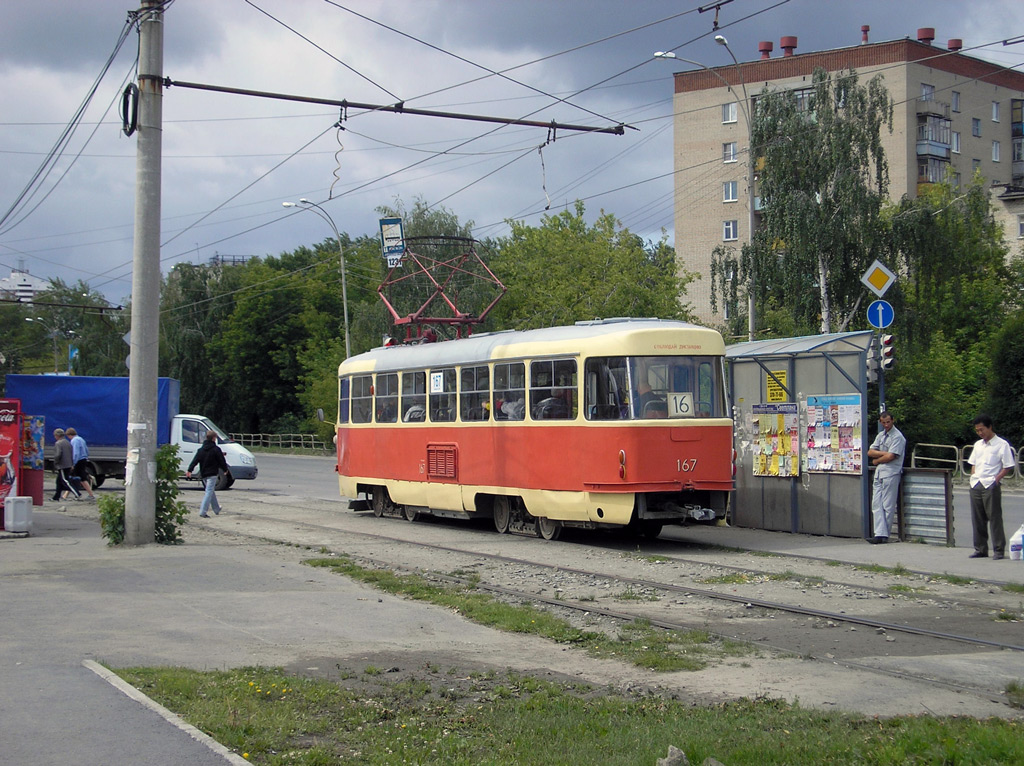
954 458
284 441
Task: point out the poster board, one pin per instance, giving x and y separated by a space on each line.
776 440
833 436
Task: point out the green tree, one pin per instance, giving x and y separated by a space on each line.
823 181
564 271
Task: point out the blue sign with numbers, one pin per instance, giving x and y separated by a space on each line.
880 314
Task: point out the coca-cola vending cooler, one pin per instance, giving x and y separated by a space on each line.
10 449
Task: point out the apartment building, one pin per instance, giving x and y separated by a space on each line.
21 285
953 112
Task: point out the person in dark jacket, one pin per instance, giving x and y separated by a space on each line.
211 461
63 462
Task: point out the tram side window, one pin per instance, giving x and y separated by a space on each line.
706 390
362 398
442 395
509 401
343 385
475 393
605 386
414 397
386 394
553 389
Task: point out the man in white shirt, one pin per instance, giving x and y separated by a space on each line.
886 454
991 459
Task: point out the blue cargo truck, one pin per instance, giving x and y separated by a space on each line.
98 409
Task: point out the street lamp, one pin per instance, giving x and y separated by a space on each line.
341 254
751 323
52 333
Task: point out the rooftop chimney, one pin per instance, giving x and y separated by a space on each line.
864 34
788 45
955 44
765 48
926 35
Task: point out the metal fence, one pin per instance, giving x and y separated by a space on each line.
953 458
309 442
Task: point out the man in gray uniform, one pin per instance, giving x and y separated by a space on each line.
886 454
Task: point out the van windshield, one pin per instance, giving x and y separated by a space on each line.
222 437
654 387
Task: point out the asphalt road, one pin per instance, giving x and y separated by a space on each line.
314 477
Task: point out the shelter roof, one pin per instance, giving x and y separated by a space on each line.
807 344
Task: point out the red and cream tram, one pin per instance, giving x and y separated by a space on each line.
610 423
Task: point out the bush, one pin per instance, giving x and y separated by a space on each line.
170 511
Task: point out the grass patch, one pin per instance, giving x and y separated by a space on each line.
906 589
274 719
1013 587
1015 694
1007 615
638 642
899 569
752 578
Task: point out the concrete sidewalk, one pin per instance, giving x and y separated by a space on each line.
215 603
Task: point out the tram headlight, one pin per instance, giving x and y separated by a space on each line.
622 464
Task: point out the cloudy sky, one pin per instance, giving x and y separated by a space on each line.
229 160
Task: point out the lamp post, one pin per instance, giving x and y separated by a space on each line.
751 319
52 333
313 206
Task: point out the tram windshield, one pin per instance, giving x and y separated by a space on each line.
654 387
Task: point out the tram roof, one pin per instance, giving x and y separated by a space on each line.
829 342
611 336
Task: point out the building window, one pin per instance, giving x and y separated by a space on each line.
995 111
956 101
975 166
730 191
956 142
729 112
1020 227
931 170
1018 150
995 151
927 92
729 152
955 178
730 230
976 127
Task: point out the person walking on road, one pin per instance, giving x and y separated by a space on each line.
886 454
991 460
80 457
211 461
63 462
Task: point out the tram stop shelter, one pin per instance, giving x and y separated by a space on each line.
802 432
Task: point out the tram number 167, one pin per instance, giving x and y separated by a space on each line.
690 464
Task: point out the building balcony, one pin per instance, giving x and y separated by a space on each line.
930 106
936 149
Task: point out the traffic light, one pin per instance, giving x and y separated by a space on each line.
871 360
887 350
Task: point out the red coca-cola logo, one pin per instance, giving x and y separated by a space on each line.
7 416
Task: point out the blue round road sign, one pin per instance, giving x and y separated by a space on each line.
880 314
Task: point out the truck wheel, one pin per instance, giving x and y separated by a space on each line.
95 476
224 481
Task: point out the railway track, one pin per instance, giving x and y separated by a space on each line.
874 623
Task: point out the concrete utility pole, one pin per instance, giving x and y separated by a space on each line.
140 467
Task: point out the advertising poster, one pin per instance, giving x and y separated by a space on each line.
33 438
834 434
777 440
10 447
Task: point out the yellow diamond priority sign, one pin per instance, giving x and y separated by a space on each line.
878 278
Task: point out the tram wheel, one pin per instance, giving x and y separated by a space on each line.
410 513
380 501
502 513
549 529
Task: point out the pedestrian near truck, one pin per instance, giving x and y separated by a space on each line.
211 461
63 462
886 454
80 458
991 461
